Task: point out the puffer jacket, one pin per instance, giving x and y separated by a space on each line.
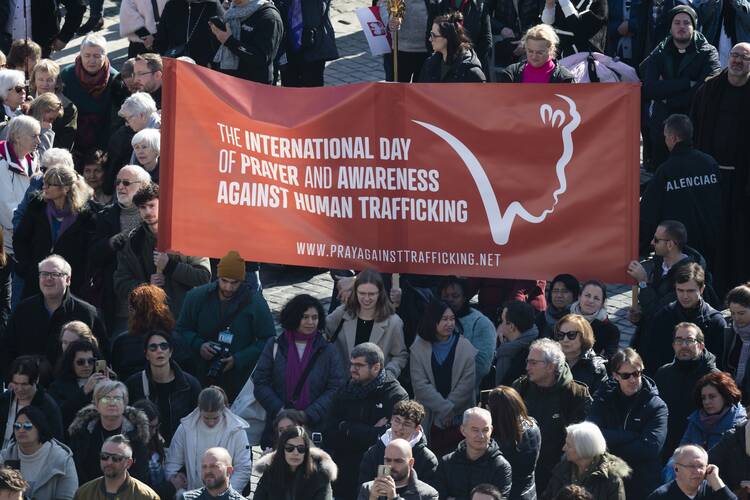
14 182
57 479
316 487
523 457
457 475
465 69
603 479
591 370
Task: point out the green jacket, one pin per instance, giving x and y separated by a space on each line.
131 489
201 317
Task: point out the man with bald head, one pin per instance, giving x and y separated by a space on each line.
695 478
216 469
719 114
402 483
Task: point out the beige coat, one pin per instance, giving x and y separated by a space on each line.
462 395
388 335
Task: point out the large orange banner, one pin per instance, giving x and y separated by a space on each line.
516 181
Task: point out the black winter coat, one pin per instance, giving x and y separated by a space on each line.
32 242
317 30
182 19
103 260
514 74
635 429
730 456
316 487
476 24
70 398
606 337
523 457
676 383
591 370
457 475
260 39
588 27
41 400
46 25
425 461
466 69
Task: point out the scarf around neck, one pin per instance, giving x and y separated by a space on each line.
60 219
553 314
295 367
709 422
744 334
542 74
601 314
358 391
234 17
96 84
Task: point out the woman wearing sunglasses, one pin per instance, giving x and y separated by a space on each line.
296 470
576 338
12 95
45 463
164 383
633 420
75 379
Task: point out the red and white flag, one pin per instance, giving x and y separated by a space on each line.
375 30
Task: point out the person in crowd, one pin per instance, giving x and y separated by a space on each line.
90 84
406 425
633 420
75 379
553 399
477 459
95 174
677 379
300 369
35 324
163 382
403 480
250 38
684 188
492 293
148 72
146 145
668 84
23 391
46 78
295 470
369 316
216 469
59 221
117 457
623 38
443 375
412 51
476 327
592 305
540 43
583 30
562 291
139 112
113 225
209 425
227 305
474 18
5 288
127 76
138 23
46 463
518 437
730 455
453 59
509 22
95 22
149 312
46 109
717 106
737 335
587 463
139 262
690 283
73 331
286 419
23 55
183 30
12 95
12 484
40 23
516 331
157 453
695 478
724 26
485 491
360 413
576 338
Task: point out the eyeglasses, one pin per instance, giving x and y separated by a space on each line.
571 335
693 467
111 399
164 346
125 183
85 361
737 55
47 274
143 73
301 448
657 240
19 89
626 376
27 426
436 35
112 456
684 341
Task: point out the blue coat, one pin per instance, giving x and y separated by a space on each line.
635 431
697 434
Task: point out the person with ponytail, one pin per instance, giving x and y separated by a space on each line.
453 59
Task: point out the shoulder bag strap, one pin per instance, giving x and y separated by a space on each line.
155 7
144 381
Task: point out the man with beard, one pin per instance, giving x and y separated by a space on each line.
216 469
116 458
148 70
402 483
721 114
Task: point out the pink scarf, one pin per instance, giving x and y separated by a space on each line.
538 75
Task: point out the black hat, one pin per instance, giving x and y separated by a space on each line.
683 9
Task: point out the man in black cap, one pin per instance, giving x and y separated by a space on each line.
673 72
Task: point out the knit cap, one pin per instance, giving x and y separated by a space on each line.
232 266
683 9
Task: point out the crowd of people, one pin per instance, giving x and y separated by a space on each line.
137 374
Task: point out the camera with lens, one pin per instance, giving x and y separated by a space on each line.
216 366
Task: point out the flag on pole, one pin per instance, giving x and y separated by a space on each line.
375 30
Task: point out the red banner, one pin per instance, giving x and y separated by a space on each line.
517 181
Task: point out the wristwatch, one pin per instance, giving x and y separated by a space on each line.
642 285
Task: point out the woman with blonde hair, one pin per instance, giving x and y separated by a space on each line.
74 331
576 338
46 108
46 78
59 220
540 44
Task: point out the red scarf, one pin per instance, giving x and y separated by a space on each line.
95 84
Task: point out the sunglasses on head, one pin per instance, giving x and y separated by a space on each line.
111 456
626 376
164 346
27 426
301 448
85 362
571 335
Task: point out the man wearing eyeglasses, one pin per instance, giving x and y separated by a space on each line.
677 379
115 459
695 478
148 70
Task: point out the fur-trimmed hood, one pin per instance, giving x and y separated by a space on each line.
323 463
133 420
609 465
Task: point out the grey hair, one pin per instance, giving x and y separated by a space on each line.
79 191
94 40
22 124
106 386
60 260
476 412
552 352
588 439
140 173
57 157
140 103
9 78
682 449
371 352
150 136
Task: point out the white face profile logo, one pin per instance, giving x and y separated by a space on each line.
501 224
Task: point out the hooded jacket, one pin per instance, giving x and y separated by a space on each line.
57 479
732 456
465 68
425 461
41 400
14 181
554 408
676 382
457 475
696 432
316 487
523 457
635 429
603 479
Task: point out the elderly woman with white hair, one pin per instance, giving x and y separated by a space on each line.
146 146
587 463
45 77
139 112
58 220
12 95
